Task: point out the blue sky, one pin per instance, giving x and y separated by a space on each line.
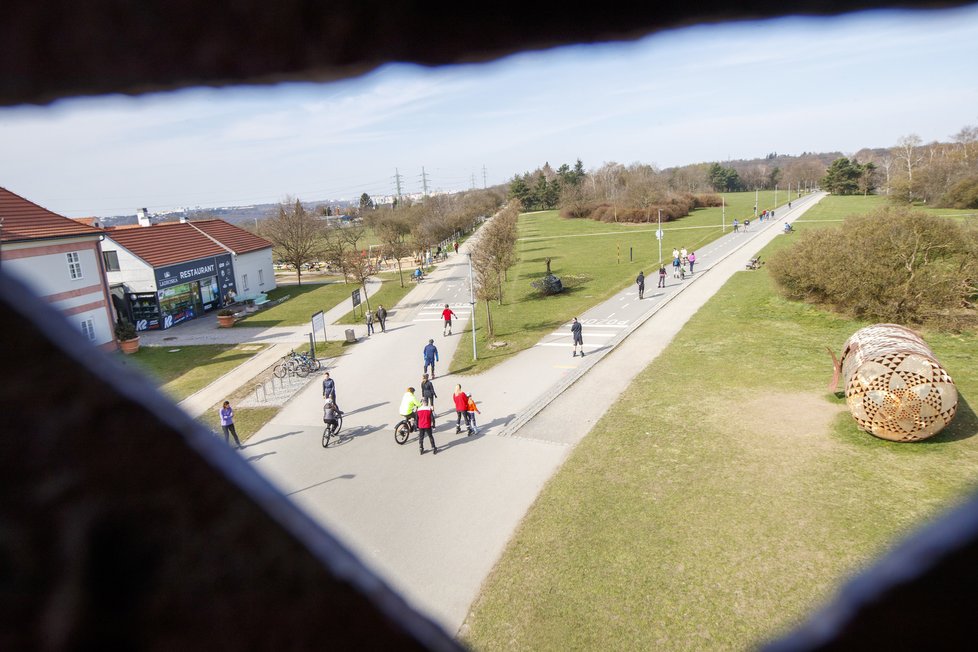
706 93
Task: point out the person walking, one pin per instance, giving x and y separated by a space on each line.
382 318
473 410
447 315
428 394
227 424
430 354
683 253
675 267
426 422
461 401
370 324
662 276
455 245
675 253
578 338
692 261
329 388
736 225
640 280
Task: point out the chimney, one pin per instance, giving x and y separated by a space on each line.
142 217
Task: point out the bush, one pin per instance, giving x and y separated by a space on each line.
963 194
895 264
124 330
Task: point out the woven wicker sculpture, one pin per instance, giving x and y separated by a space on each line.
895 387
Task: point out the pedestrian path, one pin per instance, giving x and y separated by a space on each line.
463 505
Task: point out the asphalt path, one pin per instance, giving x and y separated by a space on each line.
434 526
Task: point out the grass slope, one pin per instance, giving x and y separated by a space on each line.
181 371
725 495
594 260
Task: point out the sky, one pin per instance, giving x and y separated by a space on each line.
699 94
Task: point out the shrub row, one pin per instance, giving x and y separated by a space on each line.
895 264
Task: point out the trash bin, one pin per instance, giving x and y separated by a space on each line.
350 337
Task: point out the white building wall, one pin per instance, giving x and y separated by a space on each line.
44 267
250 264
48 273
134 272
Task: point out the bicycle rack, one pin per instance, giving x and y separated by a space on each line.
264 394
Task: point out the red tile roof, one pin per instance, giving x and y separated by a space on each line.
233 237
166 244
179 242
25 220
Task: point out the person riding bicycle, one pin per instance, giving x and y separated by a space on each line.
331 414
788 228
409 407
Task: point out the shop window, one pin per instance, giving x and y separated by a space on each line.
74 266
88 329
111 259
261 277
244 282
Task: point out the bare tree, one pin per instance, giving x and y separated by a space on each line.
907 151
393 229
360 268
296 235
338 240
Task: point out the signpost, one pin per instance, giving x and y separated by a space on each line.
318 321
355 297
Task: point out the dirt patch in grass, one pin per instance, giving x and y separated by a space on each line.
794 417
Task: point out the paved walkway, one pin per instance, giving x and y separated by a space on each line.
434 526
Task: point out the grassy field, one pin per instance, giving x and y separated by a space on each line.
388 295
726 494
247 421
181 371
304 301
594 260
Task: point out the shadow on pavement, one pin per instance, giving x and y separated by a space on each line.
463 438
255 458
365 408
349 434
345 476
267 439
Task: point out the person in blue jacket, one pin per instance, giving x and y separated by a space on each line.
430 357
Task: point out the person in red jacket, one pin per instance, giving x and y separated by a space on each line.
447 315
461 409
426 421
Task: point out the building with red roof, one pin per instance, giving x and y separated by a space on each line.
58 258
170 272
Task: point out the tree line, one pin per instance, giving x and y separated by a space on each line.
302 236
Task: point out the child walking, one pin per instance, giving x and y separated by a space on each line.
473 410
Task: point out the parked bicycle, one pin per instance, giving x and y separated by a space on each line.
299 364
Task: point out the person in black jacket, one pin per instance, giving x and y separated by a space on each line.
428 394
640 279
578 338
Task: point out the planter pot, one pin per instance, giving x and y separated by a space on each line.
129 346
225 321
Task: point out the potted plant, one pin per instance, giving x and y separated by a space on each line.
225 318
128 338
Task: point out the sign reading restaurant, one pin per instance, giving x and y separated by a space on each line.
191 271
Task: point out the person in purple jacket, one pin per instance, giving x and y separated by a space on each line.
227 424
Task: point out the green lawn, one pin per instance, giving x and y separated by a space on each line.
182 370
247 421
304 301
594 260
388 295
726 494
